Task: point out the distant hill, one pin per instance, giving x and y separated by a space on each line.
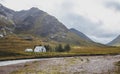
115 42
37 23
82 35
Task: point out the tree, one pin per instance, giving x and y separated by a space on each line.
48 48
59 48
67 48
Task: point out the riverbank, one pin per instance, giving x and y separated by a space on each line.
53 55
17 61
65 65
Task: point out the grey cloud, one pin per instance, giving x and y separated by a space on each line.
80 23
87 27
116 5
72 20
67 5
83 24
2 0
105 35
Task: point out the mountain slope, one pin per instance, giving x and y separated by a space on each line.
13 45
83 36
40 24
6 23
37 22
115 42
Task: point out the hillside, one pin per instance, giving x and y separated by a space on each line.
115 42
12 45
37 23
82 35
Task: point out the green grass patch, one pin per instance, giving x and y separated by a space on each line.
81 51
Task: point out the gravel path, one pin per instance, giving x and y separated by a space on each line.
66 65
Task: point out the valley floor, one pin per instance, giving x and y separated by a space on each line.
66 65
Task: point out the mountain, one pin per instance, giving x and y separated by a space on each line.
83 36
6 23
37 23
115 42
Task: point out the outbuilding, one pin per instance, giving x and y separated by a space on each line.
39 49
1 35
28 50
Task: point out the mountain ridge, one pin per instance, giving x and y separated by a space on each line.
115 42
82 35
38 23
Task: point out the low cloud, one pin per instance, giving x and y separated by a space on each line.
113 5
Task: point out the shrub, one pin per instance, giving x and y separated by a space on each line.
59 48
67 48
48 48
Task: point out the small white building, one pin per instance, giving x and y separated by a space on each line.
39 49
1 35
28 50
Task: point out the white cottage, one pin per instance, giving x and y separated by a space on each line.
1 35
40 49
28 50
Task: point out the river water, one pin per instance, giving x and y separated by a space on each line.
5 63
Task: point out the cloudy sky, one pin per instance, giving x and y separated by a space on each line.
98 19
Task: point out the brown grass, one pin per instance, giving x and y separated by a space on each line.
96 50
13 47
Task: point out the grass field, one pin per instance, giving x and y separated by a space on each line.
13 47
79 51
96 50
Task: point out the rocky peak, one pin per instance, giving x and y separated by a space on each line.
6 11
34 8
1 5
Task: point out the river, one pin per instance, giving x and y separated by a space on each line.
64 65
5 63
